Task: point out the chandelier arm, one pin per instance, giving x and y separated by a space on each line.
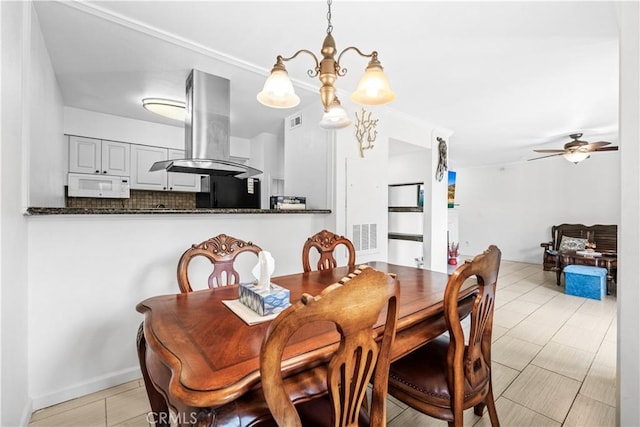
311 72
342 71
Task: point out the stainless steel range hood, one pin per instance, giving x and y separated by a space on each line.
206 130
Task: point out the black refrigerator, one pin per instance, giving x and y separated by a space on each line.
228 192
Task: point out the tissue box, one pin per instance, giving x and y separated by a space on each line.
264 301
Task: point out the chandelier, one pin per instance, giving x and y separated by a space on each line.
373 88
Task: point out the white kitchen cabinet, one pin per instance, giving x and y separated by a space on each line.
181 181
96 156
143 156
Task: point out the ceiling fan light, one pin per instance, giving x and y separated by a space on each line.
373 88
576 156
165 107
278 90
336 117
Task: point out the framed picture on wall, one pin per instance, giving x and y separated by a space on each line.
451 189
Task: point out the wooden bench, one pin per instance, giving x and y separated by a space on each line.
605 238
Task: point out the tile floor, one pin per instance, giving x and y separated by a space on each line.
554 363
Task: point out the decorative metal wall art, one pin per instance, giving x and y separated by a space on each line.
365 130
442 161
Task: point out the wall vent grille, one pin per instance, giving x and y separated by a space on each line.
295 121
365 237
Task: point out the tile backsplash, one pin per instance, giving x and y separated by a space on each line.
139 199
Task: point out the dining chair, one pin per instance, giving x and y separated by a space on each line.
222 251
326 242
335 389
446 376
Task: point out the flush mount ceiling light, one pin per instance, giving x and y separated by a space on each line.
373 88
165 107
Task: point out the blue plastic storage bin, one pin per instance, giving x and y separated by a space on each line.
585 281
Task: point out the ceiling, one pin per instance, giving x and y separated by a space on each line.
504 77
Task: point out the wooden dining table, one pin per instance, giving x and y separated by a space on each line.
197 355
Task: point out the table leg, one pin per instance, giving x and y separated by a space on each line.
159 407
609 278
607 266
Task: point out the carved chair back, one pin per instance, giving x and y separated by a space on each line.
471 363
222 251
446 376
326 242
604 236
354 306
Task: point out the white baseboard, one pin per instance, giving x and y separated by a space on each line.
87 387
26 413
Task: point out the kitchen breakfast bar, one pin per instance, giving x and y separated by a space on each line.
95 265
160 211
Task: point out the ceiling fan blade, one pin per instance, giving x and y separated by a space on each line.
593 146
544 157
549 151
612 148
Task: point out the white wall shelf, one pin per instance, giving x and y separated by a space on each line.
406 236
405 209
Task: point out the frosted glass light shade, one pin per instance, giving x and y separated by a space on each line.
336 117
576 156
165 107
278 91
373 88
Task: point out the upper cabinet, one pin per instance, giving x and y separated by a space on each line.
95 156
181 181
143 156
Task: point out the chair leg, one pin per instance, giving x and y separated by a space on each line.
479 409
491 408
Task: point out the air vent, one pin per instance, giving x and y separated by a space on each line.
295 121
365 237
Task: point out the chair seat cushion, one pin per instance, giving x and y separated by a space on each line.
317 413
423 374
312 403
251 411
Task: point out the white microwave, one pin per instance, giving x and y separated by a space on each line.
85 185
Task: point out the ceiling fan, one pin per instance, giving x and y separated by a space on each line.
576 151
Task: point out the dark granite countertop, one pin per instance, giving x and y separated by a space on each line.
32 211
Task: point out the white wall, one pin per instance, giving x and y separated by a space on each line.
436 213
239 148
47 164
15 33
267 155
89 272
106 126
628 410
514 206
403 169
361 184
371 175
420 166
307 156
